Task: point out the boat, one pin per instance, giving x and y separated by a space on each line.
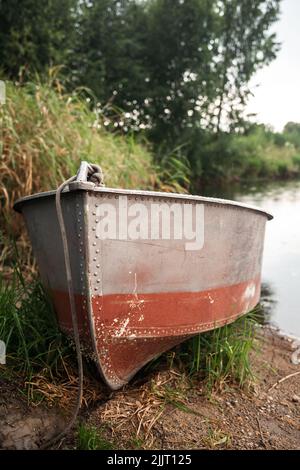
140 290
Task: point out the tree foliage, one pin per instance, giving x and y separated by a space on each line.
35 35
177 65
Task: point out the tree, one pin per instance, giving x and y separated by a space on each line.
109 51
291 132
180 51
245 44
35 35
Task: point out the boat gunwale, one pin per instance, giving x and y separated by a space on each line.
90 187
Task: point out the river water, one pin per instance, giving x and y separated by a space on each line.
281 262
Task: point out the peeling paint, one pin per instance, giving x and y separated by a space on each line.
249 292
135 302
121 331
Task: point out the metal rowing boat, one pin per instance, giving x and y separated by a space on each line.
138 296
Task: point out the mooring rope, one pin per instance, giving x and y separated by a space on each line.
94 174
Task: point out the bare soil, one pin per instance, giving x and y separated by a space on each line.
165 410
24 426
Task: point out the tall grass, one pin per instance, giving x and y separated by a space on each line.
47 133
29 329
224 353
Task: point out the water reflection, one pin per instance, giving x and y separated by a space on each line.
281 264
267 304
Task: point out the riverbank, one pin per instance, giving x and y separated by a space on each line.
166 410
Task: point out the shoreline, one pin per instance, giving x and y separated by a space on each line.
281 333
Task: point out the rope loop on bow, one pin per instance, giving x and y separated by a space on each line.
90 172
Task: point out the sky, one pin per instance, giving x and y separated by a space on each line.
277 98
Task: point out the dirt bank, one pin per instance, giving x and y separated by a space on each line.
166 410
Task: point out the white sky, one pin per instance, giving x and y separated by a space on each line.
277 98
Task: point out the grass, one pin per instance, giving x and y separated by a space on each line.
222 354
91 438
29 328
217 356
216 438
136 443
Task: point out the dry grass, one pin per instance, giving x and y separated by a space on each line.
133 412
62 391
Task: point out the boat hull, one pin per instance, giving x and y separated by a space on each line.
136 298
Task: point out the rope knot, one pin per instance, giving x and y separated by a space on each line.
95 174
90 172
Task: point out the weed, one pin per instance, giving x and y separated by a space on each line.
216 438
222 354
136 443
91 438
28 327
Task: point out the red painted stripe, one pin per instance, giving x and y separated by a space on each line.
161 314
132 329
